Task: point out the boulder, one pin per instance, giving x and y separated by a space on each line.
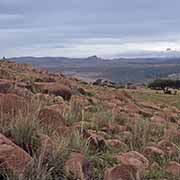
6 86
47 145
132 108
134 159
52 117
12 156
158 119
173 168
95 140
114 128
79 167
150 106
154 167
54 88
152 152
82 91
171 115
115 143
12 105
122 172
168 148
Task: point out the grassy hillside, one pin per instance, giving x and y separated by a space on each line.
57 128
119 70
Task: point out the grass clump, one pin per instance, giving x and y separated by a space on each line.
75 114
78 144
101 161
25 133
140 135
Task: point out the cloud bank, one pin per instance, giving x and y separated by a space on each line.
78 28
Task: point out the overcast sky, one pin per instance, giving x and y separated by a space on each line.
78 28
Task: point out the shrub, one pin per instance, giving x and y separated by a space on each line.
24 132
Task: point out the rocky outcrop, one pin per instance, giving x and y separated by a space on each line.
12 156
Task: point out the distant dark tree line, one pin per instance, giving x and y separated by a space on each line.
164 84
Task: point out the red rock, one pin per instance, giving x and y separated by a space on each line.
56 89
152 151
52 117
79 167
135 159
97 141
145 112
173 168
68 82
132 108
12 156
150 106
80 101
117 144
122 172
12 105
158 119
171 133
127 95
154 167
126 136
6 86
168 147
82 91
110 128
47 145
171 115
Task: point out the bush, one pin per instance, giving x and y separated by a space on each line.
164 83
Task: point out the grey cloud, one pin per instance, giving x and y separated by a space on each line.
56 24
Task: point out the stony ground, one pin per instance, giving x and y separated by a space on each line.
58 128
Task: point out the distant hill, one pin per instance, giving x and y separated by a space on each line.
119 69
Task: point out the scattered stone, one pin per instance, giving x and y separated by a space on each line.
122 172
115 143
96 141
168 148
12 106
6 86
79 167
12 156
52 117
152 152
173 168
134 159
56 89
158 119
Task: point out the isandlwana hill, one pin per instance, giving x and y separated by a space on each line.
53 127
121 70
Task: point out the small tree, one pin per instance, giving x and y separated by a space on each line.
4 58
164 84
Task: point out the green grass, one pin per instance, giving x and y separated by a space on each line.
160 98
25 133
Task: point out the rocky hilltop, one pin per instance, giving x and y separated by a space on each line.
57 128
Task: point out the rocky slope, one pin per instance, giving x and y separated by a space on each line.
53 127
